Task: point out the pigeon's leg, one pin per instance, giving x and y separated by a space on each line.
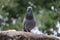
26 30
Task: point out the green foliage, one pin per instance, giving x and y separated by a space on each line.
17 8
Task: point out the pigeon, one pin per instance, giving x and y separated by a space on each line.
29 21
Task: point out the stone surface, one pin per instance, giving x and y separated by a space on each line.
19 35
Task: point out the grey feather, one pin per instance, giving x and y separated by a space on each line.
29 21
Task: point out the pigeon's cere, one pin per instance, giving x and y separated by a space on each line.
29 21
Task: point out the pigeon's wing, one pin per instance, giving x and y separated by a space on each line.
23 24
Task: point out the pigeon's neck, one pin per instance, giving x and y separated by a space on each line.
29 17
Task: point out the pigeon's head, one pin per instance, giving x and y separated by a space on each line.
29 10
29 13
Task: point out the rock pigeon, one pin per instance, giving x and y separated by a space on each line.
29 21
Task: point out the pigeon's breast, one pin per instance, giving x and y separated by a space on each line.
30 24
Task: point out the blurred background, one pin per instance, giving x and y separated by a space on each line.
46 13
